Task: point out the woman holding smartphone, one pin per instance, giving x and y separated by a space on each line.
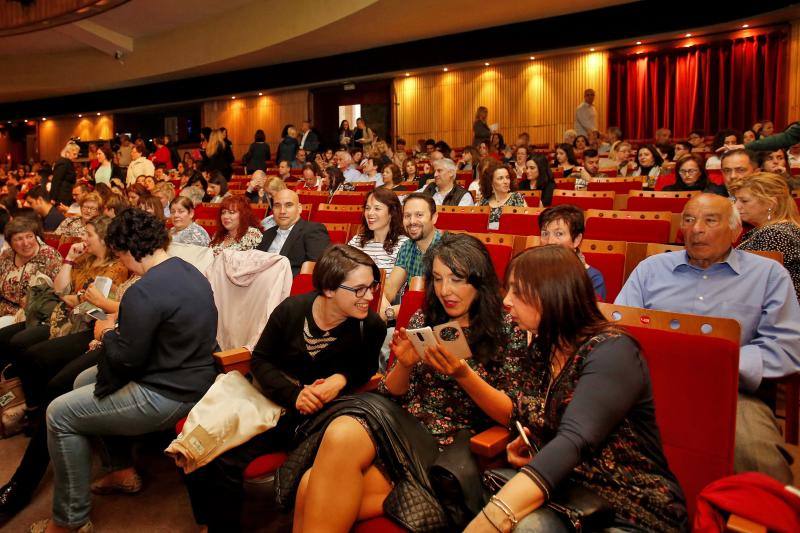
588 409
437 400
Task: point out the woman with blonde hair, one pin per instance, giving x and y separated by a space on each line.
764 200
64 175
217 156
91 205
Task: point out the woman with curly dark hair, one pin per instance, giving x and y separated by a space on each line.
382 232
237 226
155 365
439 402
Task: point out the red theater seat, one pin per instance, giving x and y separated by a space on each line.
629 226
585 199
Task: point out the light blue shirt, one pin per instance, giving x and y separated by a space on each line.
351 174
279 240
755 291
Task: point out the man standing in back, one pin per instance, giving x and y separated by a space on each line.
586 114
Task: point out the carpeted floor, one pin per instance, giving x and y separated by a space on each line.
162 507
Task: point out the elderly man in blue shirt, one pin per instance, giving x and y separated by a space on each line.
712 278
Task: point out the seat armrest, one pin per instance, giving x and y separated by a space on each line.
737 524
372 384
490 443
234 359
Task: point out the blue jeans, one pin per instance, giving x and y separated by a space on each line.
76 416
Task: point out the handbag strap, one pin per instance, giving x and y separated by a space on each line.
3 378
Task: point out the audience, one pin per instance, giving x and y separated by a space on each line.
217 189
690 175
363 136
371 173
237 227
713 278
586 114
293 237
139 165
218 156
49 214
184 229
738 164
565 159
258 154
24 258
498 184
314 348
91 206
439 400
598 430
764 202
157 359
444 190
382 234
539 177
650 162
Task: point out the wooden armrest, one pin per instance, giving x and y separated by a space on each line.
491 442
372 384
738 524
234 359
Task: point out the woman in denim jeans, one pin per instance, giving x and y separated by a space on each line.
155 365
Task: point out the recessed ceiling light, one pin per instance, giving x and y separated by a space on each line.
486 64
98 114
80 116
638 42
233 98
591 49
445 69
745 25
688 35
533 57
260 94
44 118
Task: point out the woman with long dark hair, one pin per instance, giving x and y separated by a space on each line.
587 408
440 401
382 233
539 177
565 158
237 226
690 175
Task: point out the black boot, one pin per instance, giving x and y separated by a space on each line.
13 498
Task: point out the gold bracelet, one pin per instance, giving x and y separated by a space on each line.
503 506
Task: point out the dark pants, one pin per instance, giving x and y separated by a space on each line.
34 463
16 338
216 490
43 360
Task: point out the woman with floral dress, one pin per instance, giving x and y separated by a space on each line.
238 227
438 400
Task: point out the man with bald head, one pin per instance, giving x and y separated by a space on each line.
293 237
712 278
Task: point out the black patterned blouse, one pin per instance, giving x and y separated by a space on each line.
595 425
782 237
443 406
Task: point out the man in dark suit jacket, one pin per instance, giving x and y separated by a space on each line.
309 141
294 238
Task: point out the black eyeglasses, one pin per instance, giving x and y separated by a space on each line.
360 291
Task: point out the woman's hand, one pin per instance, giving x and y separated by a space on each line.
518 453
328 389
438 358
94 296
307 402
100 326
76 250
403 349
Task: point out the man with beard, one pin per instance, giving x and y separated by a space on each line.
419 221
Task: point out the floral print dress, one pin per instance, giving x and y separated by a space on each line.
14 279
71 227
191 234
442 406
251 239
514 199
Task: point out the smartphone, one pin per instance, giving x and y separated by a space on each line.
523 435
450 335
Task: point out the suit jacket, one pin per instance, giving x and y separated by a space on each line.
306 242
312 142
63 180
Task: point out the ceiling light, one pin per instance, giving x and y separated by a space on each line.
745 25
98 114
533 57
80 116
486 64
591 49
445 69
233 98
688 35
260 94
638 42
408 74
44 118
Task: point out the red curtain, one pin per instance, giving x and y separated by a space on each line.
728 84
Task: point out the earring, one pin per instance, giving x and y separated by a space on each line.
769 214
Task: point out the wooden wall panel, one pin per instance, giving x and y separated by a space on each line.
794 74
538 96
54 133
243 116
